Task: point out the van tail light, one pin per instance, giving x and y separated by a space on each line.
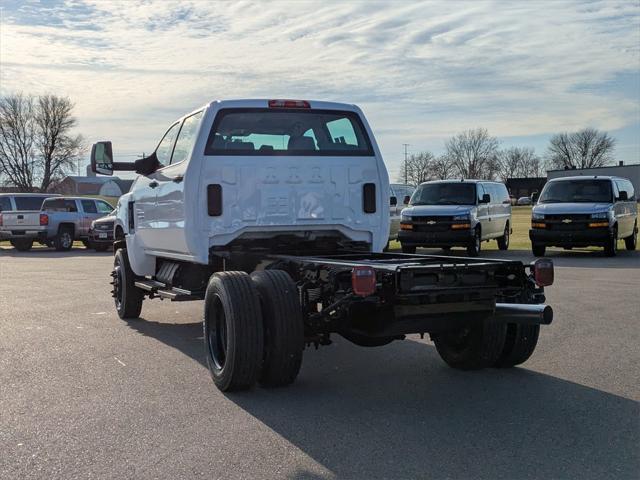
363 281
289 104
0 219
543 272
44 219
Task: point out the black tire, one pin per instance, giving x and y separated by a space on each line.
475 245
86 243
474 347
63 241
520 342
233 331
631 242
611 247
283 327
128 298
408 248
503 241
538 250
22 244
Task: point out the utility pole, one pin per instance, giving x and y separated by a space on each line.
405 163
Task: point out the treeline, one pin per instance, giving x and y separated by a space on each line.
476 154
37 146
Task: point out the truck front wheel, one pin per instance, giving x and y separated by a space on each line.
476 346
520 342
631 241
128 298
233 331
283 327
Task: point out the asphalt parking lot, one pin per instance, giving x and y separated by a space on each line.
86 395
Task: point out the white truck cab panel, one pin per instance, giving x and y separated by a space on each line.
279 171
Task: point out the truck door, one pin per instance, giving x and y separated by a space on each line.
87 215
169 212
145 193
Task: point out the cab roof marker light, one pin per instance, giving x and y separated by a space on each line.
286 103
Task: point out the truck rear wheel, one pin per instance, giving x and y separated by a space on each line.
127 296
22 244
283 327
538 250
63 241
520 342
474 347
233 331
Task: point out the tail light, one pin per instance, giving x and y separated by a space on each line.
0 219
289 104
363 281
44 219
543 272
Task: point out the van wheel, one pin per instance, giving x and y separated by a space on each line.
233 331
631 242
283 327
473 249
476 346
22 244
63 241
503 241
611 248
408 248
128 298
538 250
520 342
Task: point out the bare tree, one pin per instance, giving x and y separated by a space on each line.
473 154
36 143
442 168
518 162
418 168
18 132
587 148
58 149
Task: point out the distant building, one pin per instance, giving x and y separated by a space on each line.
525 187
630 172
105 186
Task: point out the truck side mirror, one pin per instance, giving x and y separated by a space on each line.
623 196
102 158
486 198
406 199
393 201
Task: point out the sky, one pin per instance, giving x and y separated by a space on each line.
421 71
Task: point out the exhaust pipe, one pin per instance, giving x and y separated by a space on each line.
523 314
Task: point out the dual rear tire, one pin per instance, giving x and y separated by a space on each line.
253 329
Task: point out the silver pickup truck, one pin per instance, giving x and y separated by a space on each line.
20 221
56 222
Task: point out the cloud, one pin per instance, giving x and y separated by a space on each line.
421 71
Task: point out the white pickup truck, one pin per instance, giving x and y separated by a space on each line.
274 212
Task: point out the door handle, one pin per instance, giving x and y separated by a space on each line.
178 179
153 184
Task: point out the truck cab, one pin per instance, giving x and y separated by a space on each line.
585 211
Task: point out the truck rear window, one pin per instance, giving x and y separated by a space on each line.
267 131
28 203
60 205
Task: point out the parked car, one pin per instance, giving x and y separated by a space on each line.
102 232
398 200
522 201
585 211
69 218
20 221
275 213
448 213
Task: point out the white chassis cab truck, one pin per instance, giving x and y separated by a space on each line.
275 213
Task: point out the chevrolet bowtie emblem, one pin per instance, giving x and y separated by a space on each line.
431 222
567 220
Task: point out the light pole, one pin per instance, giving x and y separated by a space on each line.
405 163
